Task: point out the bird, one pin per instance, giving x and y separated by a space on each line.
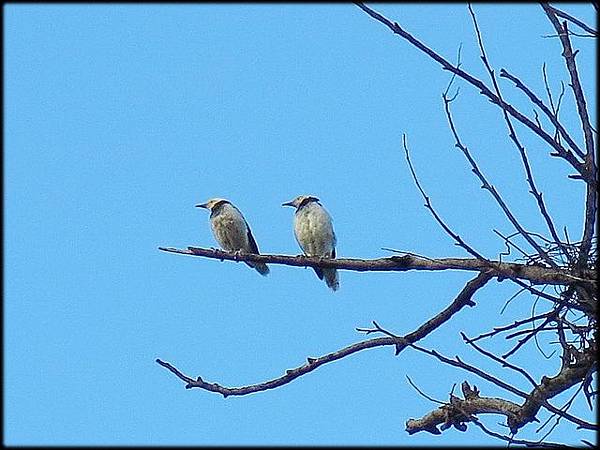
231 230
313 229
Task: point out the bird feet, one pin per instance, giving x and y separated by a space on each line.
217 250
238 253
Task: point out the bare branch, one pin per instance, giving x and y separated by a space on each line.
512 440
460 411
498 360
590 166
550 114
492 190
513 135
513 325
570 33
512 297
534 273
569 375
463 299
509 243
538 398
457 362
431 399
565 407
531 334
487 263
290 375
574 20
559 149
447 229
555 109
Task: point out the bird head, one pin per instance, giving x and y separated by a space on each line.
300 201
210 204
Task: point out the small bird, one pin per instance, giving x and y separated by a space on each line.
231 230
313 229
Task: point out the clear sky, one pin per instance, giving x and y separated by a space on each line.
119 118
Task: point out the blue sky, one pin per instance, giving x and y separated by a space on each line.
119 118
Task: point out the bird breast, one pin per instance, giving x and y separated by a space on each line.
314 230
229 228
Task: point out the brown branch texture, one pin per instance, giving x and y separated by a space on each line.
536 274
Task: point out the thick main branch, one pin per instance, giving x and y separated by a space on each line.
460 411
571 373
536 274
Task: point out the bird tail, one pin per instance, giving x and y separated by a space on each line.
331 278
319 272
261 268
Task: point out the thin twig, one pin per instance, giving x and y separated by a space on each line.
508 242
431 399
498 360
550 114
522 342
457 238
512 440
513 325
428 205
511 299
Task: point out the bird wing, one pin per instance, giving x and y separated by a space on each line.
251 241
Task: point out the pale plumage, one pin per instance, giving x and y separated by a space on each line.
231 230
313 229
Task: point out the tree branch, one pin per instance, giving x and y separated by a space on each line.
564 134
462 299
538 398
497 359
290 375
512 440
492 190
539 103
460 411
570 374
513 325
457 412
536 274
459 241
587 307
574 20
590 166
560 150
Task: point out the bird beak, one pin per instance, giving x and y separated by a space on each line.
201 205
288 204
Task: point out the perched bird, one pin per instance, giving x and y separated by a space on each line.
231 230
314 232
